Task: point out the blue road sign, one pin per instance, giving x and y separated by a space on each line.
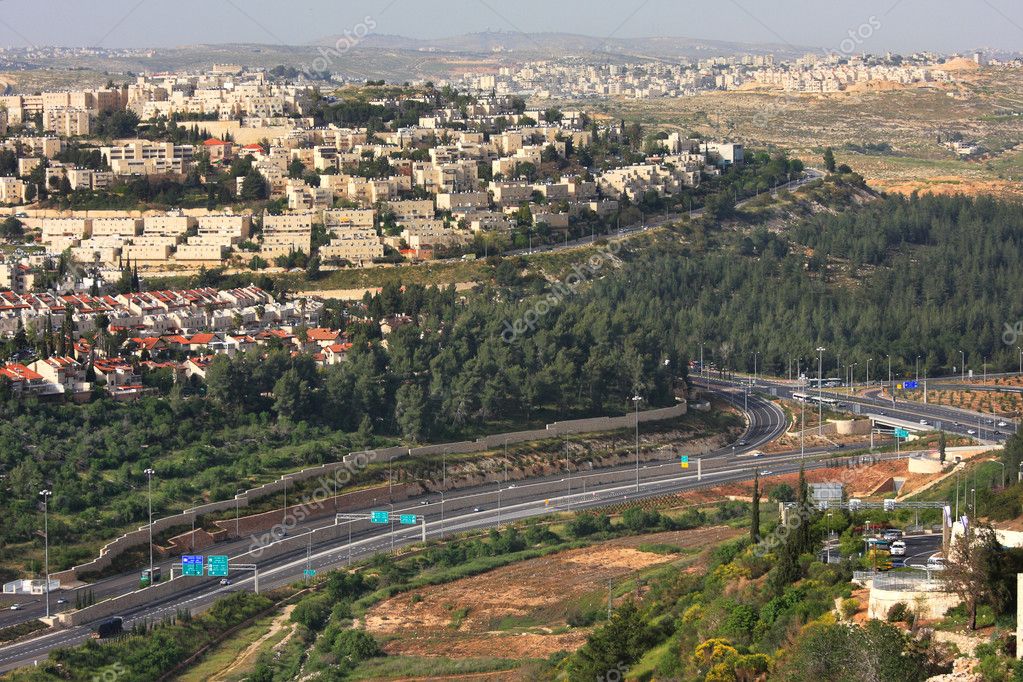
379 517
910 385
192 564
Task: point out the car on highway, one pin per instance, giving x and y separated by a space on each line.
225 581
743 442
892 534
16 607
898 548
924 422
62 601
477 509
1003 423
767 473
972 432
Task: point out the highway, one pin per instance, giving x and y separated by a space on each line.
938 417
527 500
457 508
469 509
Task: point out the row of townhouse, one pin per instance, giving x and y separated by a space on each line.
156 312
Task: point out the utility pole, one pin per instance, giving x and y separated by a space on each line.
149 475
636 400
820 389
46 539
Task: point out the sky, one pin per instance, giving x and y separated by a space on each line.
873 25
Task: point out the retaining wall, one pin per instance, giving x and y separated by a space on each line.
116 547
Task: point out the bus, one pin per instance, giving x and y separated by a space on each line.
827 383
801 397
146 580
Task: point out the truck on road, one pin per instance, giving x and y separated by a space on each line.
111 627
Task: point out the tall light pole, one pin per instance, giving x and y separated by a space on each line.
755 366
918 368
46 539
149 484
636 400
820 390
868 370
962 368
1020 359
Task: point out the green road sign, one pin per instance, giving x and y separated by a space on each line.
191 564
217 566
379 517
408 519
309 572
901 433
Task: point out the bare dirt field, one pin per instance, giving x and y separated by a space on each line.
520 611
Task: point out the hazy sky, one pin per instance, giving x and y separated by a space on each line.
903 25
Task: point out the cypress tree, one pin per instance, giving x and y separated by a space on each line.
755 511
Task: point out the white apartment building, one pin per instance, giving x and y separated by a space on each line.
287 233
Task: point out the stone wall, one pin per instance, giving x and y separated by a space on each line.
116 547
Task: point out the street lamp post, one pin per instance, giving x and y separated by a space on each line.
918 368
636 400
46 540
149 476
820 389
868 370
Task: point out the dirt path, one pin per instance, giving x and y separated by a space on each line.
248 656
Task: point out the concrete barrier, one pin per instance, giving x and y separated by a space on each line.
116 547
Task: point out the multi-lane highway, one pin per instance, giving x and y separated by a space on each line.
477 507
462 510
937 417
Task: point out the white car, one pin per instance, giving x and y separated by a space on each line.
1003 424
898 548
972 432
924 422
16 607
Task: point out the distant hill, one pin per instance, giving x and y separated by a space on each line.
659 47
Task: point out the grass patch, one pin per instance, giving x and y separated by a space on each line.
659 548
458 617
13 632
226 653
397 667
